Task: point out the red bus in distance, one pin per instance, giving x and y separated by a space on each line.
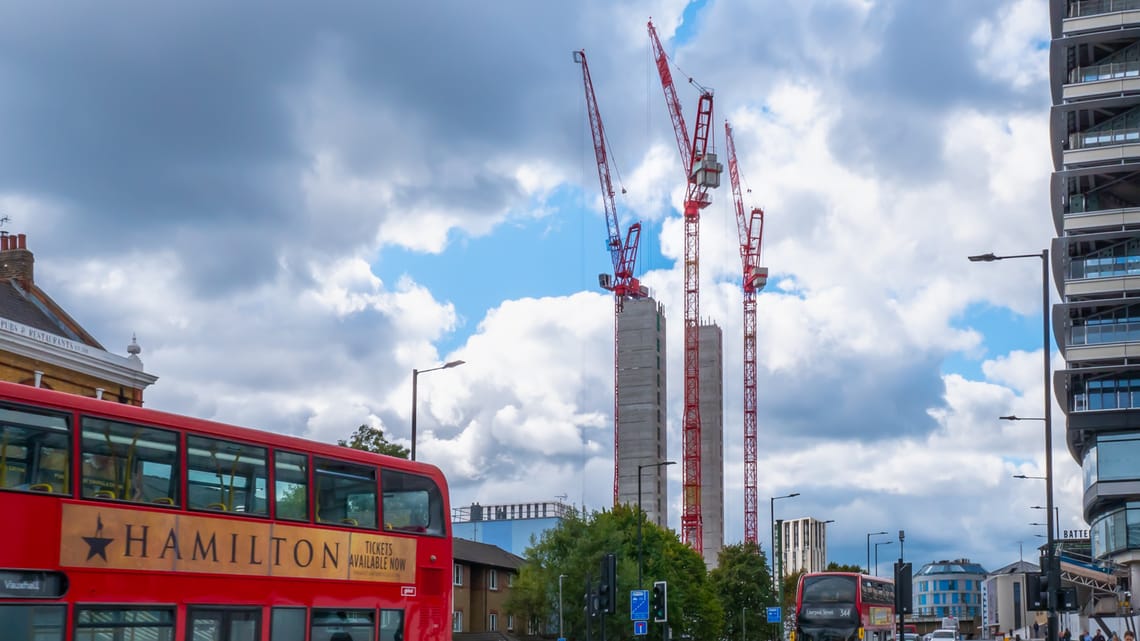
844 606
129 523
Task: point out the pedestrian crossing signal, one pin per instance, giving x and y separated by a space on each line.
658 602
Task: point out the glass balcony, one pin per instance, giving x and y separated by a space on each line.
1104 137
1104 267
1095 7
1107 71
1104 334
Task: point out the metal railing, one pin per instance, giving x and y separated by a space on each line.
1083 8
1102 334
1104 137
1106 71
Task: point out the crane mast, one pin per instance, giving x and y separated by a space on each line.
750 228
702 172
623 255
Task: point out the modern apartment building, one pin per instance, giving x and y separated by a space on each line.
803 545
512 527
949 589
641 434
1095 196
710 377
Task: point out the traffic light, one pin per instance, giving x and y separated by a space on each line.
1067 600
904 595
658 602
1036 591
607 587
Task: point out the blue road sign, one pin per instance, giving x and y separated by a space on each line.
774 615
639 605
640 628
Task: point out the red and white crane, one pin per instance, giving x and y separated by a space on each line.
750 228
702 172
624 255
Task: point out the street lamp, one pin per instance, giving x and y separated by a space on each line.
1053 571
869 535
1024 476
1056 518
415 376
560 634
743 624
772 522
877 544
641 515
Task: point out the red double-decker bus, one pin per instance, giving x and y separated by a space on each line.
844 606
126 524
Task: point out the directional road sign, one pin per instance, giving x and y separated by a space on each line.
640 628
774 615
639 605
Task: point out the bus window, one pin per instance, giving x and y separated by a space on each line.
226 476
99 623
291 485
391 625
346 493
343 625
287 624
129 462
39 622
412 503
33 452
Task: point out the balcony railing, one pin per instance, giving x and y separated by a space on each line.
1107 71
1107 267
1105 137
1103 334
1093 7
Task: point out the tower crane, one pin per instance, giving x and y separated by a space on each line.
750 228
623 255
702 172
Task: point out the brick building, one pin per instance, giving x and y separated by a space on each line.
481 582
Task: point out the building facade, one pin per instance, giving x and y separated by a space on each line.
711 381
641 435
1095 198
803 545
949 589
1005 605
510 526
481 579
43 346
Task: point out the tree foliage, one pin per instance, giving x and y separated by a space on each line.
744 586
574 550
371 439
839 567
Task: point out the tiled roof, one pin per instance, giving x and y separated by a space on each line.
484 554
16 306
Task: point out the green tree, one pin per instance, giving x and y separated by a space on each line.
744 586
575 549
838 567
371 439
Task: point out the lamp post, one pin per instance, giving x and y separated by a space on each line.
743 624
415 376
1053 570
1025 476
869 535
779 580
560 634
877 544
641 515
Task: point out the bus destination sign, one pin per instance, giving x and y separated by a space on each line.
108 537
24 584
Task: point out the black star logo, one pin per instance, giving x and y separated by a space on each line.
97 545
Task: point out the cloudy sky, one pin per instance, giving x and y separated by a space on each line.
293 205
